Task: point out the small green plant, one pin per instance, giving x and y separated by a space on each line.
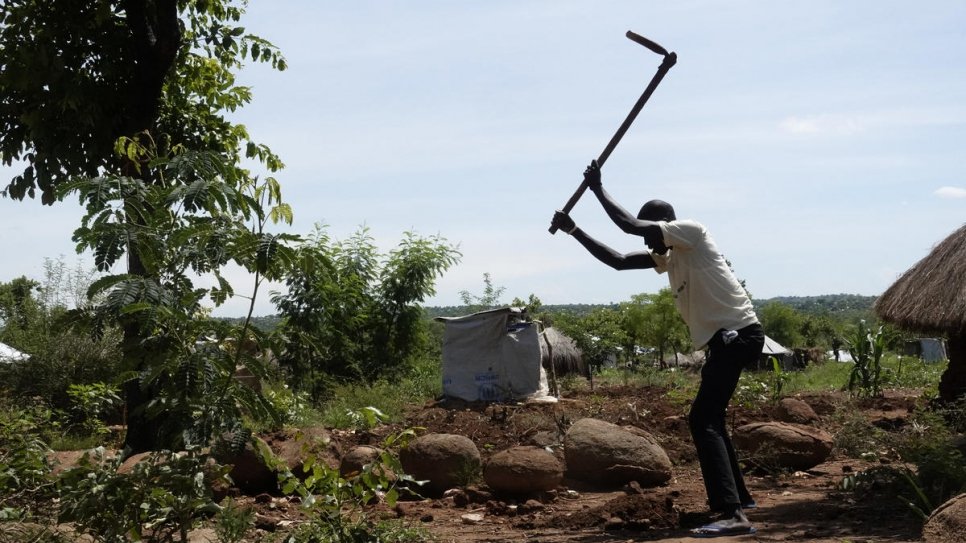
751 391
337 502
23 461
778 380
294 407
866 348
366 418
680 397
232 522
90 403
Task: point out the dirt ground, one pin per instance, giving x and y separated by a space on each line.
800 506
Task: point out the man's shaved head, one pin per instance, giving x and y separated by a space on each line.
656 210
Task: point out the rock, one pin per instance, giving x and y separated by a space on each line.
795 411
472 518
947 523
357 458
523 470
61 461
127 466
959 442
443 460
784 445
292 447
29 531
598 451
251 466
545 438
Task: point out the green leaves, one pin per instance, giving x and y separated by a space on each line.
350 312
866 347
77 78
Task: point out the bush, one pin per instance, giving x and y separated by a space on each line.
23 460
68 358
162 496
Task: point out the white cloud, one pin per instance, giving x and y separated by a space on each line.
822 124
950 192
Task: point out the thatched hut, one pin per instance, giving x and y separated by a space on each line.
931 297
567 358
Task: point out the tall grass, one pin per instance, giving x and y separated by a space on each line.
897 372
423 382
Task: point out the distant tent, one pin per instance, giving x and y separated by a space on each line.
929 349
493 356
8 354
785 357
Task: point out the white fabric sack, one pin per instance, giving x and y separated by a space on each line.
487 356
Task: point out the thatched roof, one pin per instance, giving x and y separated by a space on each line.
931 296
567 358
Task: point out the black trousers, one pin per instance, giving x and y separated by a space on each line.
719 378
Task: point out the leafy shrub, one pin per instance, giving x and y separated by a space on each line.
23 460
232 522
91 403
930 469
858 438
294 407
337 502
69 356
160 498
940 467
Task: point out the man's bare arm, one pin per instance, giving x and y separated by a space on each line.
619 261
624 219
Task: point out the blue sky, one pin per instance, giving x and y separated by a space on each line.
820 142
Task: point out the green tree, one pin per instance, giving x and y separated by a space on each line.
118 101
201 214
490 298
652 320
599 335
78 75
20 312
782 323
351 314
818 331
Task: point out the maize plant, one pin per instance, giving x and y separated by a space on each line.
866 348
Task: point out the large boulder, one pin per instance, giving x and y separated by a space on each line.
292 447
947 524
784 445
523 470
252 464
598 451
795 411
444 461
354 461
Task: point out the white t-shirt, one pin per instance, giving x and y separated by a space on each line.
705 290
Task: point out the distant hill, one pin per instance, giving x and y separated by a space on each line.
840 305
829 304
576 309
265 324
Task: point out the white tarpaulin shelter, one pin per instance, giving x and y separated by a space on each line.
8 354
493 356
772 348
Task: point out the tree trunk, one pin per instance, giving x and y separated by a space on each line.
952 385
156 40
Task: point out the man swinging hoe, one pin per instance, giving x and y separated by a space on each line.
713 304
